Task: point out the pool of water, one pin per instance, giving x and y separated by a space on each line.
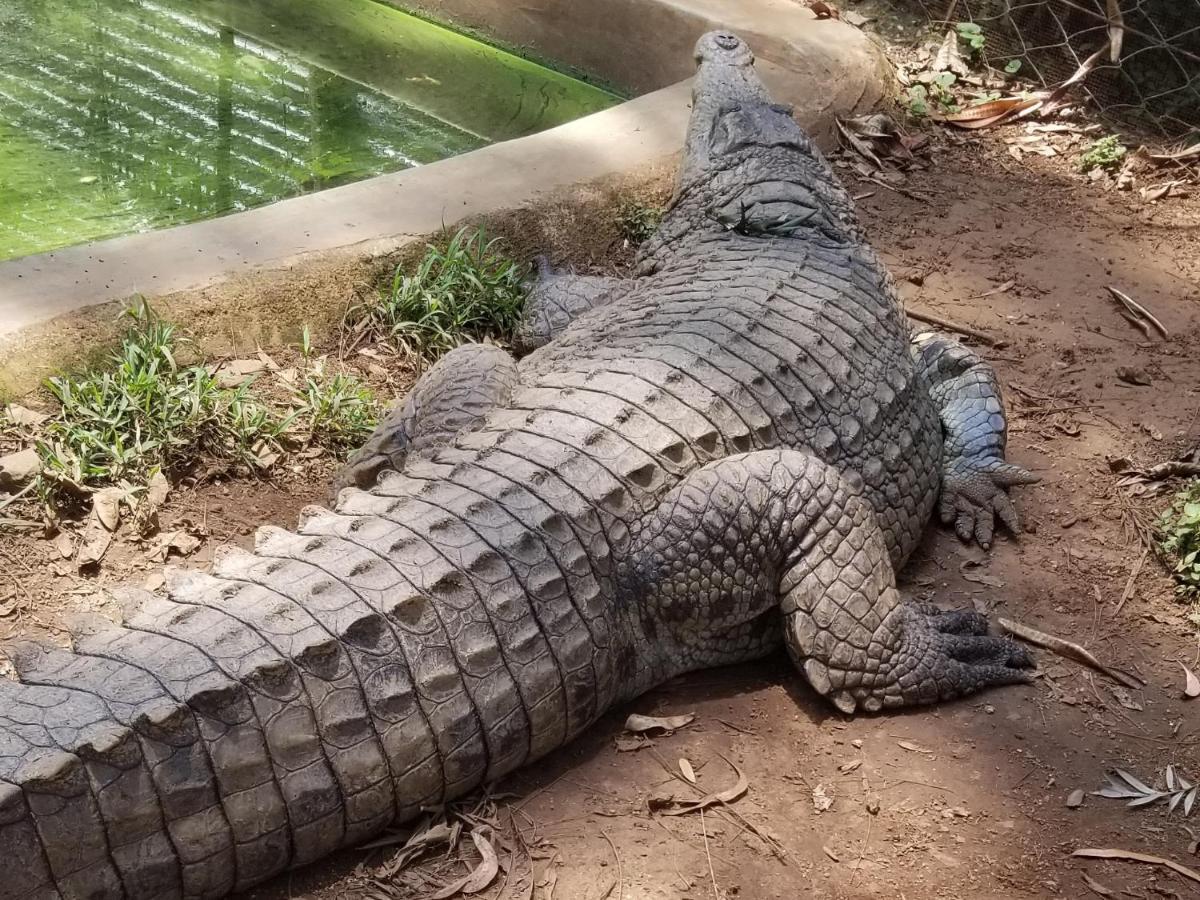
118 116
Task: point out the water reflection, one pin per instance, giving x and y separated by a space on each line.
125 115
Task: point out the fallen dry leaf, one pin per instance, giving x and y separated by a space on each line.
106 506
991 113
1134 376
821 801
847 768
23 415
643 724
912 748
721 797
1075 799
823 10
948 58
687 771
977 578
1096 887
479 877
1134 856
95 543
831 854
1191 684
632 744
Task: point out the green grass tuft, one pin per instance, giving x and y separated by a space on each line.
141 412
1179 540
463 290
637 221
144 412
1106 153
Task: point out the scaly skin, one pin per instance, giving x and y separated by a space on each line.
733 453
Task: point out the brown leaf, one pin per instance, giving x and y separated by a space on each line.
821 801
1130 375
948 58
95 543
1191 684
1150 194
23 415
17 468
1096 887
912 748
964 570
666 724
632 744
991 113
1134 856
687 771
480 877
1075 799
721 797
847 768
106 506
823 10
1116 30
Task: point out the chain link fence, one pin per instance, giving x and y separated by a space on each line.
1155 83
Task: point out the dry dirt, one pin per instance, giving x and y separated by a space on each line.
969 797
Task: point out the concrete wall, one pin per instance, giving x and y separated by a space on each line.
644 45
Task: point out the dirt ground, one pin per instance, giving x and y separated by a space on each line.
968 799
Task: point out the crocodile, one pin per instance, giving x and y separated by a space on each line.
732 450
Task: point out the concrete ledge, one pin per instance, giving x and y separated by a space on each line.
644 45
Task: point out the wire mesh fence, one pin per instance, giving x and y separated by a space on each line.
1155 80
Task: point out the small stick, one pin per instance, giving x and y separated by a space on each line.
1138 310
899 190
952 326
620 872
1133 574
863 851
711 873
1134 856
1069 650
8 501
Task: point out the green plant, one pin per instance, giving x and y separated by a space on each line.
338 413
972 35
637 221
1179 539
1105 153
463 290
143 412
924 99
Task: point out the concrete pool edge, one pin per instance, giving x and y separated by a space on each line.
390 211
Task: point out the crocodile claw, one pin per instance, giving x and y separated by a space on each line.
975 494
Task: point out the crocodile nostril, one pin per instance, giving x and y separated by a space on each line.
727 41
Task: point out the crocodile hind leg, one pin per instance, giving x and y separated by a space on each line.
556 299
749 539
453 396
975 476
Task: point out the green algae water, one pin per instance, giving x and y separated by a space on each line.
119 116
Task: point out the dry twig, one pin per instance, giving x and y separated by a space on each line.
931 319
1137 310
1069 650
1134 856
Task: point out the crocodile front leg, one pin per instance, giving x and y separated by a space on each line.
556 299
975 476
749 539
453 396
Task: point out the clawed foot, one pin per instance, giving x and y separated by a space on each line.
963 657
975 493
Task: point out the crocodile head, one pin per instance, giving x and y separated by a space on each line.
747 165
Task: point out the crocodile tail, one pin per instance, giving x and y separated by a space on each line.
298 699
